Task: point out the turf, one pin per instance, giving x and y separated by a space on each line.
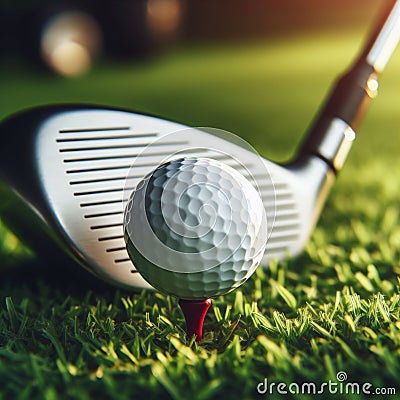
335 308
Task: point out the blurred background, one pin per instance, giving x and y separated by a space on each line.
258 68
69 36
202 62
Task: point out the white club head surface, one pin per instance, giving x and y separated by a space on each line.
81 158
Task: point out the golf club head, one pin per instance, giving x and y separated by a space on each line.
73 175
65 171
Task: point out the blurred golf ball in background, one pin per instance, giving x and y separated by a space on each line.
195 228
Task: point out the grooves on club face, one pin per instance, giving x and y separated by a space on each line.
70 177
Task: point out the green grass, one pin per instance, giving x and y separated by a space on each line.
334 308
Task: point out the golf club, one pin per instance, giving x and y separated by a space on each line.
64 168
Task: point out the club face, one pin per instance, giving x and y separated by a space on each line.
83 160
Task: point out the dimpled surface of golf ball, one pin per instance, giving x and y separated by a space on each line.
195 228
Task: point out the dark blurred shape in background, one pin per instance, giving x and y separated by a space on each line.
137 28
68 36
248 19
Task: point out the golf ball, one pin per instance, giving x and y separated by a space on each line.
195 228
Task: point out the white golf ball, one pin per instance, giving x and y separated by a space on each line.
195 228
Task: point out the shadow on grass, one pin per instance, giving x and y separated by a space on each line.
36 277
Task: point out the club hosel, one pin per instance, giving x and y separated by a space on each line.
333 132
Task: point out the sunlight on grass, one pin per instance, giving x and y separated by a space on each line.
11 249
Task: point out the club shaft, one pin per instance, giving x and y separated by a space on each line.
384 40
333 132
